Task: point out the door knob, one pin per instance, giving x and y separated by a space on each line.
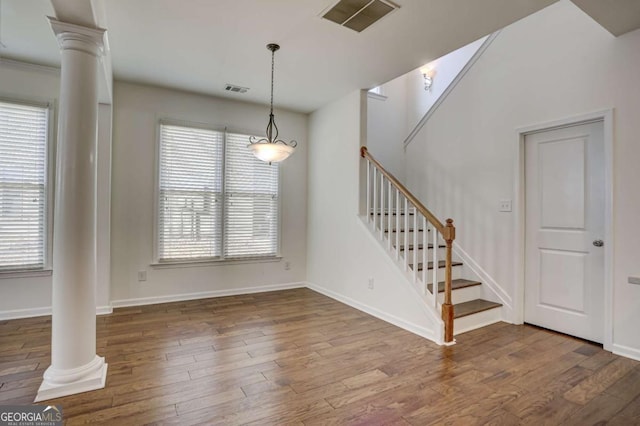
598 243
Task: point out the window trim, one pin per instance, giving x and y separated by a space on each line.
206 261
50 105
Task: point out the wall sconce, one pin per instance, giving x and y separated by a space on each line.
427 73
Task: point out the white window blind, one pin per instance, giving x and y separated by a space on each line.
251 202
23 191
217 201
190 204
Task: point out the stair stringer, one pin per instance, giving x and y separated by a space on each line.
491 290
433 314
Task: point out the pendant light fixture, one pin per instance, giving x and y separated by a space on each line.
271 149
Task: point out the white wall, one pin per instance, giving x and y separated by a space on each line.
387 126
103 214
391 120
551 65
446 68
137 109
30 295
342 254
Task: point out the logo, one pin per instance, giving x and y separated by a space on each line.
30 415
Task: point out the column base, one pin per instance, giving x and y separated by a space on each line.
58 383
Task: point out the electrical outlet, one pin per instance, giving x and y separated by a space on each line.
142 275
505 205
287 265
370 284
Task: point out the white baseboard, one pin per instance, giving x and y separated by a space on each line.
104 310
204 295
626 351
392 319
42 312
25 313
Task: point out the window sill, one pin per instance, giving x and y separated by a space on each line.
25 273
210 262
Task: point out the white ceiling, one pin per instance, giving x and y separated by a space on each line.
25 31
200 45
617 16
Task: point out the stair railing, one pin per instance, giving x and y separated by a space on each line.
389 207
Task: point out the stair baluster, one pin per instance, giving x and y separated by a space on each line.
406 233
374 212
425 252
415 246
389 213
434 255
381 209
369 209
397 234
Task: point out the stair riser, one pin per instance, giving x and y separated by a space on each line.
402 227
456 273
441 254
462 295
478 320
383 221
385 229
409 236
411 212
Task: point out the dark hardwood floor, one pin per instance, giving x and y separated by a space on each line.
296 357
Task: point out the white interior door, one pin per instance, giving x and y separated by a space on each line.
564 257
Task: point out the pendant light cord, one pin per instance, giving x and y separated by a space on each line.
273 54
272 128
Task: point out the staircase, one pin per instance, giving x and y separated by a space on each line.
423 247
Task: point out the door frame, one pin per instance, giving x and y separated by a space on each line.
606 116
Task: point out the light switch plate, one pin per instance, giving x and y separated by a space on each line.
505 205
634 280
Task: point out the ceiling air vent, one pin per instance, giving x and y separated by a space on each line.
359 14
236 89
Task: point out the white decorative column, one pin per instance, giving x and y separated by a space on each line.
75 367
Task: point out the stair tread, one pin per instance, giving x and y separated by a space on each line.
393 214
410 230
441 264
473 307
420 246
455 284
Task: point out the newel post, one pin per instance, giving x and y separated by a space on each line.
447 307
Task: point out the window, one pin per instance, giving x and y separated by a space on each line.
23 186
216 200
251 202
377 93
190 193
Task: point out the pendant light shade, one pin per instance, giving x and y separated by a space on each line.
271 149
271 152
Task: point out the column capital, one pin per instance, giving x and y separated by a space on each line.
77 37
